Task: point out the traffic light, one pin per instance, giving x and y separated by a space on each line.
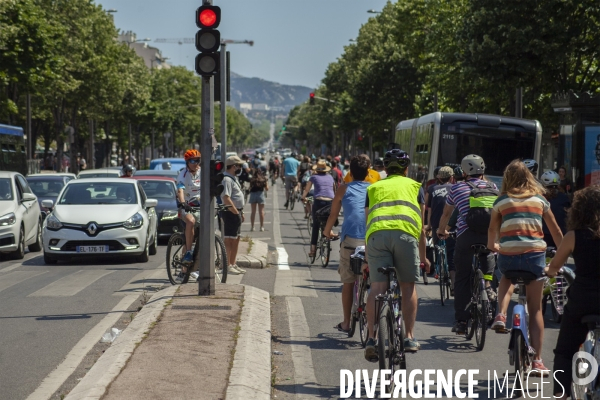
216 177
312 99
208 40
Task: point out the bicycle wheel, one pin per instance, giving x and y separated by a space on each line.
442 278
385 337
362 312
309 222
175 254
292 199
556 316
220 260
325 252
355 305
522 360
482 324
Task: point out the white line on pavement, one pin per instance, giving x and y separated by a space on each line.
304 371
282 262
12 278
71 284
57 377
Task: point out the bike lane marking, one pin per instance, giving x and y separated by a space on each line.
71 284
282 255
15 277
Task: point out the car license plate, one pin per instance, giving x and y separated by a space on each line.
92 249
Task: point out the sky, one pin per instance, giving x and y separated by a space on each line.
294 40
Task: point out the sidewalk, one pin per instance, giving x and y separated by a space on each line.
183 346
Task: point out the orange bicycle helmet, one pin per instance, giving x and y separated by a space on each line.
191 153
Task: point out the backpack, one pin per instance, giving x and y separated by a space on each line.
244 176
481 201
258 181
306 177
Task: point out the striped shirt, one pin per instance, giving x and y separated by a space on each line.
521 230
459 198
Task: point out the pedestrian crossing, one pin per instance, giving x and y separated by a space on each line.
71 284
10 279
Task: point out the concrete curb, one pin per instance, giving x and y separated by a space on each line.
109 365
250 376
257 257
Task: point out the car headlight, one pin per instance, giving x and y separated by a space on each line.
53 223
169 215
8 219
134 221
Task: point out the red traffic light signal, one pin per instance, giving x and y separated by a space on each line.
208 40
208 17
219 166
312 99
216 177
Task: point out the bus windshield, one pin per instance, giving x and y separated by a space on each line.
498 146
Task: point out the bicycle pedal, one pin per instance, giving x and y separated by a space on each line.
530 351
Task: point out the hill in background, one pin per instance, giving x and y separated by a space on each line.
260 91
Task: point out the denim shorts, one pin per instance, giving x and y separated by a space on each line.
530 262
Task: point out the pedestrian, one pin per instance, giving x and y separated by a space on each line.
583 241
232 196
352 198
372 176
324 191
258 185
515 232
565 184
81 162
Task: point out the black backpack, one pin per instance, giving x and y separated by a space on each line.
481 201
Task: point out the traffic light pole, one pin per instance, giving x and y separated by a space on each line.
223 96
206 241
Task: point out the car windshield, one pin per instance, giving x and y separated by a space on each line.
158 189
46 187
99 193
6 192
100 175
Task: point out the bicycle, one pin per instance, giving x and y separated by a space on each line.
308 202
292 197
479 306
555 290
176 250
441 268
323 242
361 288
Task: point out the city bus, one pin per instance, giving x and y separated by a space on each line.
12 149
443 139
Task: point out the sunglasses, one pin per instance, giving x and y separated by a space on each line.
194 161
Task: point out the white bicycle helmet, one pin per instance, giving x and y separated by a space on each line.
550 178
532 165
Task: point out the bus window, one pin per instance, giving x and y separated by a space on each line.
4 148
12 148
403 139
422 150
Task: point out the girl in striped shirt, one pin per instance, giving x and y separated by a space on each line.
516 232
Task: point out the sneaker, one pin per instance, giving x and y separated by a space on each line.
238 269
460 327
187 259
286 204
499 323
262 228
232 271
195 275
371 351
252 229
411 345
179 277
491 293
539 369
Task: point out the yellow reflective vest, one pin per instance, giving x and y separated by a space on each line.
393 206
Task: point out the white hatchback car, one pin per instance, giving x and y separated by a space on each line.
100 217
20 216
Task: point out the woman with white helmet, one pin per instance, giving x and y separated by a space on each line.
559 203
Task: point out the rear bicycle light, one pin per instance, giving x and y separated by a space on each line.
516 320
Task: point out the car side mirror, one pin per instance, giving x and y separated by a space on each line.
48 204
150 203
28 197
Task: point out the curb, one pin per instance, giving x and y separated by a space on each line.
250 376
257 257
109 365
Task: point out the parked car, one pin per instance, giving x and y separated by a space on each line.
100 173
163 189
100 217
68 175
20 216
46 187
167 173
230 153
176 163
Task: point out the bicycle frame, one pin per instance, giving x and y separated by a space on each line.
393 297
520 323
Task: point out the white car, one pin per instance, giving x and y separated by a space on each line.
100 217
100 173
20 216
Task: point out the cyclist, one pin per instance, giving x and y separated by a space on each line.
188 188
324 191
459 175
559 203
290 170
515 231
395 237
458 197
378 165
352 198
127 171
304 175
372 176
583 240
274 168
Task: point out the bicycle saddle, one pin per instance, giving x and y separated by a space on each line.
520 276
386 270
480 248
592 321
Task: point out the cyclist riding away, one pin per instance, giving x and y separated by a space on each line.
395 237
372 177
188 188
127 171
290 169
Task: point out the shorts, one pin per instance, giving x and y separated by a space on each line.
182 213
257 198
232 224
393 247
530 262
347 247
290 181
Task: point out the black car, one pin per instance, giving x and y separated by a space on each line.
163 190
47 187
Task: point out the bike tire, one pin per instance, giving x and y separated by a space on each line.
362 320
385 337
442 282
556 317
174 256
220 260
309 225
292 199
482 323
521 360
325 253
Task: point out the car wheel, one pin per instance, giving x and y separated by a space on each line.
154 246
144 256
49 260
20 252
37 246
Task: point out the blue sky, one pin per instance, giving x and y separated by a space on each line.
294 40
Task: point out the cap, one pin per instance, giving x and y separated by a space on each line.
445 172
233 160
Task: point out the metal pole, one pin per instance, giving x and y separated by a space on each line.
223 95
92 163
130 143
206 258
152 146
519 103
30 146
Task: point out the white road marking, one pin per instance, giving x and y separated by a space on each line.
71 284
282 262
296 282
12 278
14 266
147 278
304 371
57 377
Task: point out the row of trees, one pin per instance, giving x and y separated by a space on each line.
418 56
65 55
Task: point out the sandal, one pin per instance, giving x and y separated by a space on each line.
339 328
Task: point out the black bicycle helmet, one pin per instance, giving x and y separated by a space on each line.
435 172
458 173
127 168
532 165
378 162
396 158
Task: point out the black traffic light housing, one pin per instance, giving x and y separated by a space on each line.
312 99
217 168
208 40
